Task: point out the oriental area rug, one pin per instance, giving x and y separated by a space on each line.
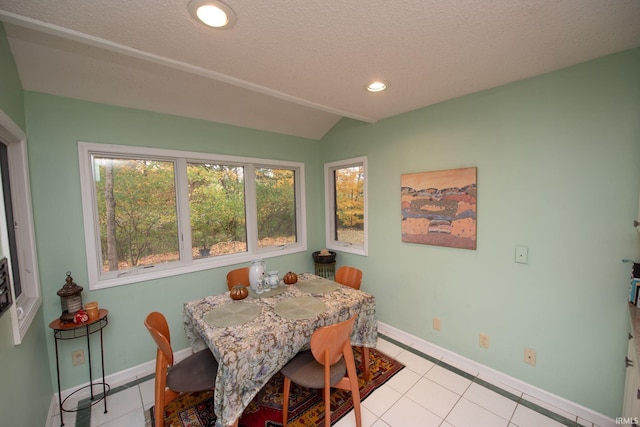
306 406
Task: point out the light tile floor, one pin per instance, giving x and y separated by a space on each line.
428 392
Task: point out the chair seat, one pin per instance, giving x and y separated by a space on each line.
195 373
304 370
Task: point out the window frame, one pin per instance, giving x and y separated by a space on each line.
329 201
186 264
25 307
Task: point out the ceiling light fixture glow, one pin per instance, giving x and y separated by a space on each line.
212 13
377 86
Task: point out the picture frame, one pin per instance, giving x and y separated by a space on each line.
440 208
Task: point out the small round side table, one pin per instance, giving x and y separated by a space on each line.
69 331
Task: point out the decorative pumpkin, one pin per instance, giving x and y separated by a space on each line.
290 278
239 292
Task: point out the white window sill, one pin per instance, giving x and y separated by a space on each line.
22 315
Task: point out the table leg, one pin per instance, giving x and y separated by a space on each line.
104 385
59 393
365 363
89 353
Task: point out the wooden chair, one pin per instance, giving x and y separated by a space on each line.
352 277
195 373
238 276
323 367
349 276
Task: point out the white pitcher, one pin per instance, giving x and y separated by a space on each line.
256 273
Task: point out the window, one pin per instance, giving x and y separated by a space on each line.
151 213
346 205
217 209
16 228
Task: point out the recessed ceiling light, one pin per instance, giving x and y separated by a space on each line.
377 86
212 13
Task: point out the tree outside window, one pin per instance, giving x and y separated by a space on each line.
346 205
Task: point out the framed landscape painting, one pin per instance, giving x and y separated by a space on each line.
439 208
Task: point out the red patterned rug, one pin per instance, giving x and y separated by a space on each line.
306 406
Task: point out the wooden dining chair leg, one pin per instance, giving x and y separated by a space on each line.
158 413
355 392
352 375
285 401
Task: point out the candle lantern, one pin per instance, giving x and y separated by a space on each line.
70 299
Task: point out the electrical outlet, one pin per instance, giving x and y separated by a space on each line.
530 356
77 357
522 254
436 323
484 340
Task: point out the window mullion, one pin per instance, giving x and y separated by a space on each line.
251 207
182 202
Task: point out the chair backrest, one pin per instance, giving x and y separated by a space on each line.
157 325
238 276
330 342
349 276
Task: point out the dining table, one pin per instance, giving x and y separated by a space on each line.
253 338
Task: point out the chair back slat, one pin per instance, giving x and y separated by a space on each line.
157 325
329 342
238 276
349 276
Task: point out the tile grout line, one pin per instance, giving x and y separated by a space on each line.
518 399
83 416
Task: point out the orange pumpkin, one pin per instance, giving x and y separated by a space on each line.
239 292
290 278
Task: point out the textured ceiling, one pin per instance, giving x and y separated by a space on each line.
297 67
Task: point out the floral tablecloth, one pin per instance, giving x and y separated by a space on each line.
251 353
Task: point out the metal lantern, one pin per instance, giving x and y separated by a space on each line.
70 299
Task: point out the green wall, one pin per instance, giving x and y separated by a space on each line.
25 387
55 125
557 159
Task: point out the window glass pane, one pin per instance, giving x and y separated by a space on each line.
217 209
11 223
276 205
349 203
136 201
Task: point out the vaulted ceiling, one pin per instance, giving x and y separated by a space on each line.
298 67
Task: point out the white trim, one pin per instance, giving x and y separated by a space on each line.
114 380
329 206
140 371
186 265
24 308
493 375
111 46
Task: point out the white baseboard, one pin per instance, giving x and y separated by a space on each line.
114 380
491 375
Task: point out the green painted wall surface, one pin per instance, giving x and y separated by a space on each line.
25 388
55 125
11 99
557 160
557 172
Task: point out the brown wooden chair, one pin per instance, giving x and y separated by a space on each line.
323 367
349 276
352 277
239 276
195 373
